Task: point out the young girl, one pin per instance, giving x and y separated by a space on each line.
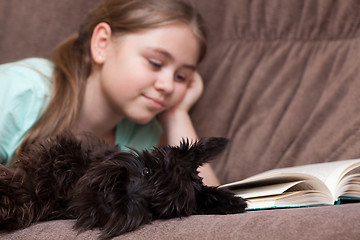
126 77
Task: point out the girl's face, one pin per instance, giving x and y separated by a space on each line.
147 72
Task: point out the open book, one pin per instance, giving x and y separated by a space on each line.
309 185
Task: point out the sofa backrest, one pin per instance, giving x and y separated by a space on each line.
32 28
282 82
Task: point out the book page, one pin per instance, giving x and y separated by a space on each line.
280 188
349 186
322 171
329 173
266 190
293 199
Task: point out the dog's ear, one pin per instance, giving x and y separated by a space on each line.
213 200
110 197
205 149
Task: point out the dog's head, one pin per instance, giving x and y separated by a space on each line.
173 175
113 194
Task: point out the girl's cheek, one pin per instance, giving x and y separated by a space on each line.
181 89
178 95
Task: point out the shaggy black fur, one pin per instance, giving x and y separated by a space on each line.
103 187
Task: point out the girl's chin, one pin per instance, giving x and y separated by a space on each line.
143 117
142 120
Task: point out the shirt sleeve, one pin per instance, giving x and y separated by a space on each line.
24 93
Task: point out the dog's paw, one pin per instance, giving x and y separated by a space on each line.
219 201
235 205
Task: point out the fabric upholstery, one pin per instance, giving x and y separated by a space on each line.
320 223
282 81
33 28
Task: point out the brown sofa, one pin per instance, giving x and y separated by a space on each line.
282 82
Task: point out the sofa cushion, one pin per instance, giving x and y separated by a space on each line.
320 223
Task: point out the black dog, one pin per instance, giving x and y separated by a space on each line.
103 187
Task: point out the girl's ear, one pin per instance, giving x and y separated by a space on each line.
100 40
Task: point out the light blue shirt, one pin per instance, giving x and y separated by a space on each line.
25 90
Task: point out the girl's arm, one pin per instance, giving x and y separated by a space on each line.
177 125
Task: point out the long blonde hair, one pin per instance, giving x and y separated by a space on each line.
73 62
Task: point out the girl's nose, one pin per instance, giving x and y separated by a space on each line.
165 83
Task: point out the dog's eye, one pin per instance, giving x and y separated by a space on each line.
146 171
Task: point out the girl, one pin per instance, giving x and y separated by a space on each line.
129 74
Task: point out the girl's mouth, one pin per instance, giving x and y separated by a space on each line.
155 103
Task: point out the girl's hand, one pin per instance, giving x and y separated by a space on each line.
193 93
194 90
173 115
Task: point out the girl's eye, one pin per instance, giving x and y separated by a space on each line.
180 78
155 64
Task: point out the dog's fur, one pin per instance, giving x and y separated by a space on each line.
103 187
